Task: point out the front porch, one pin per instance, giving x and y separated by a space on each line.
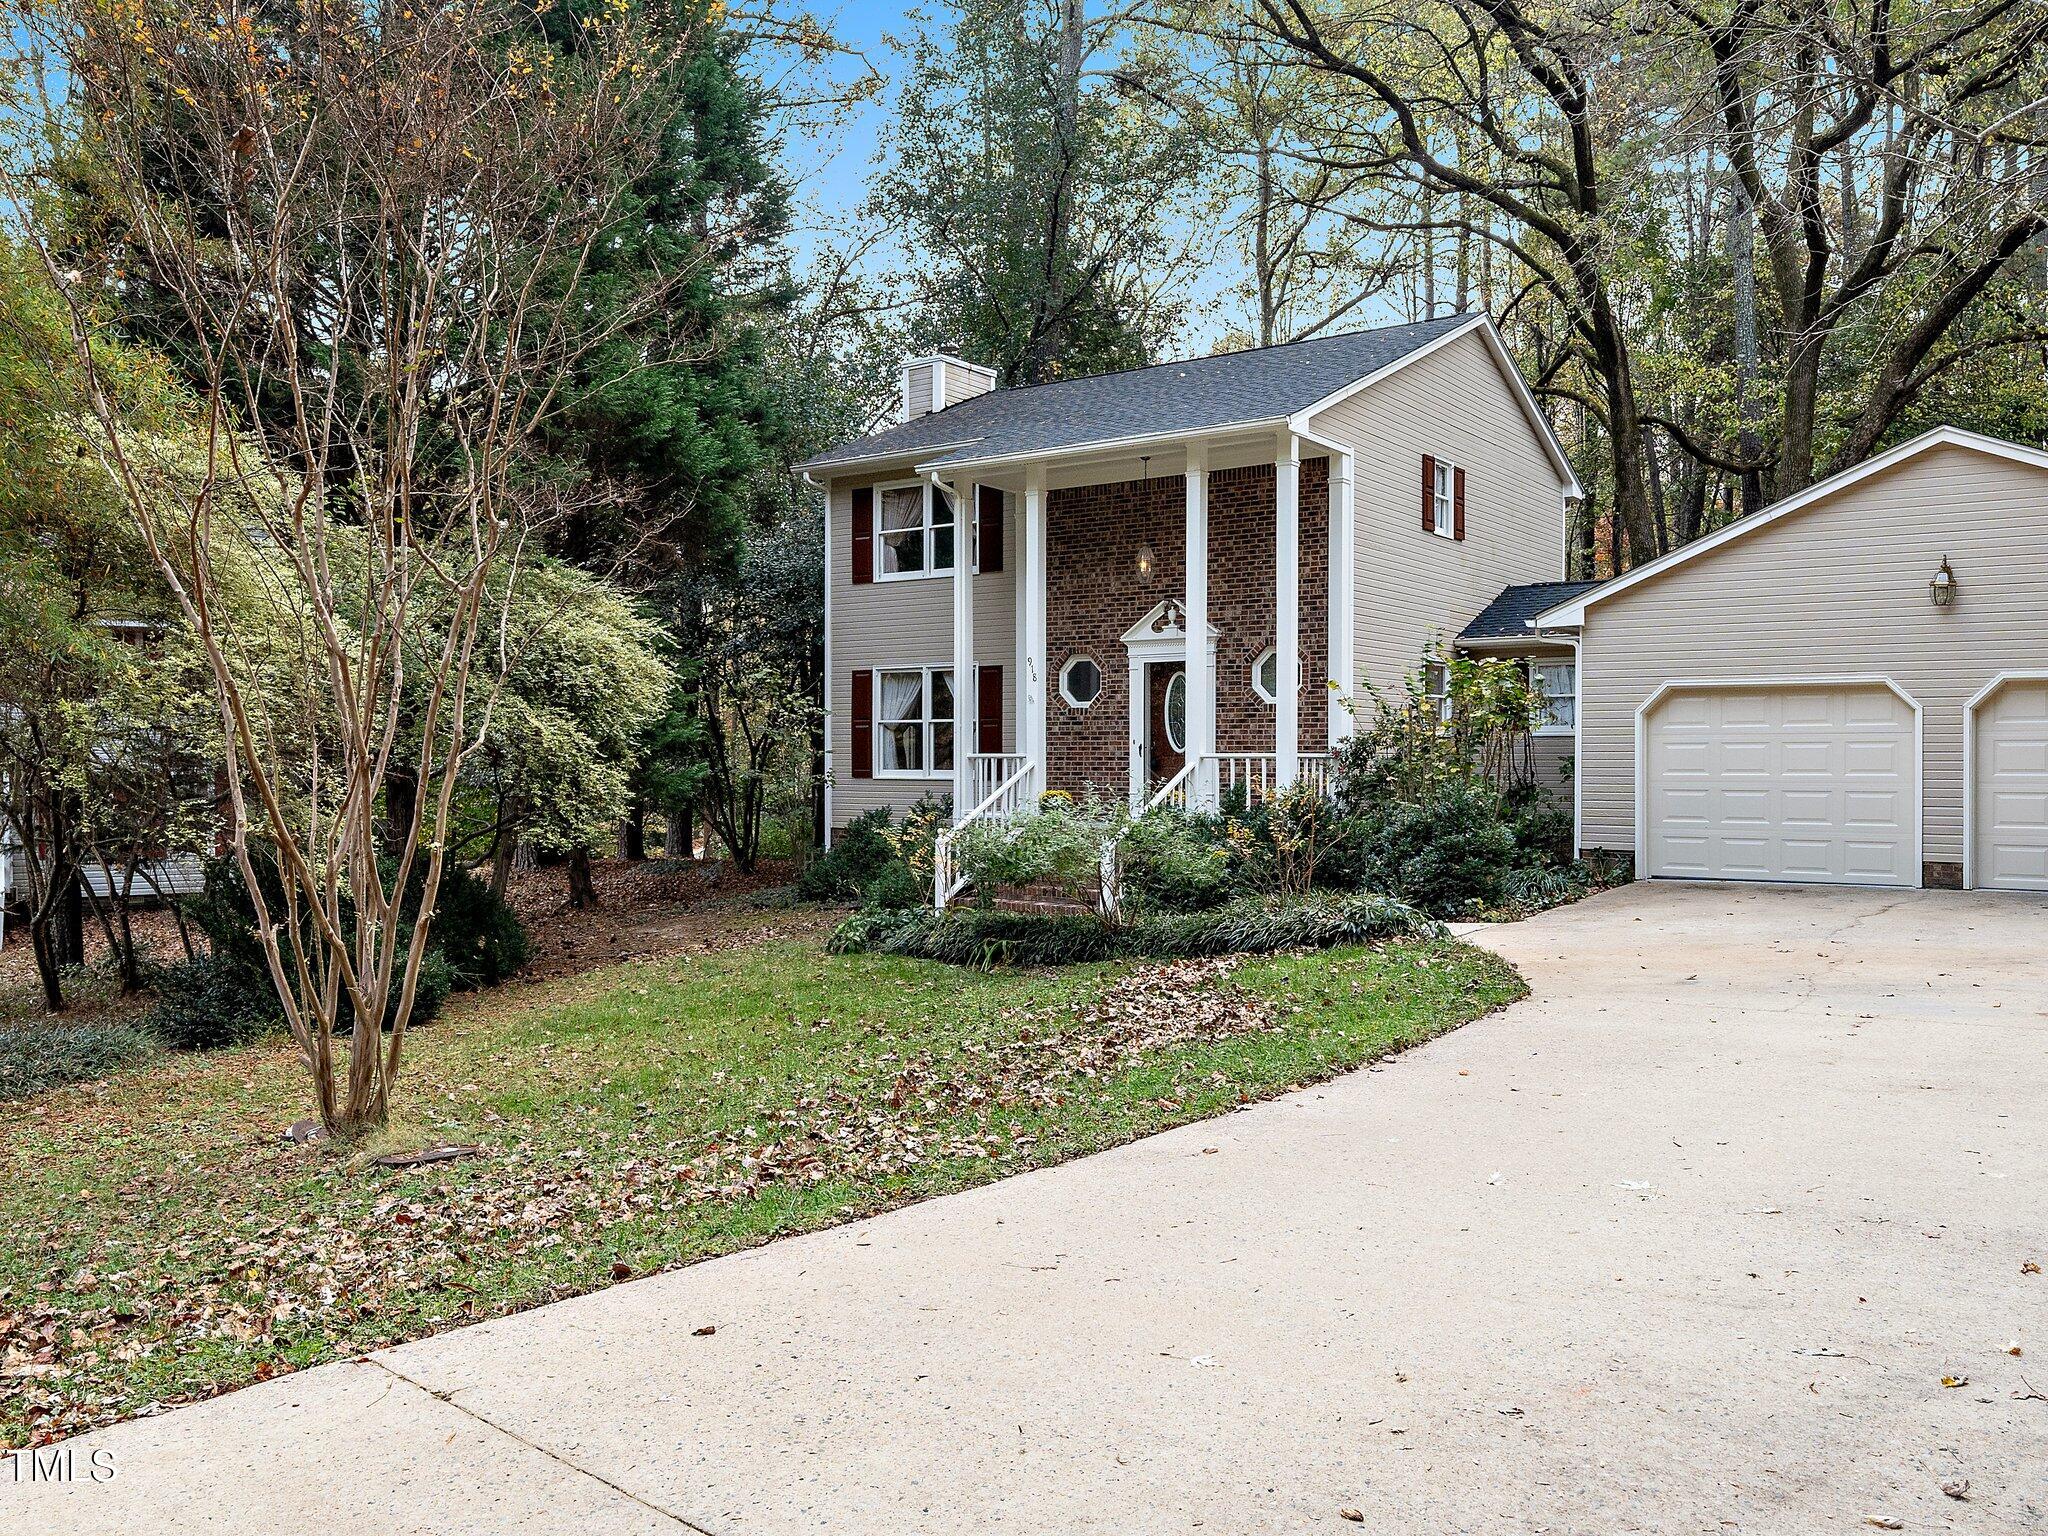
1183 622
1184 625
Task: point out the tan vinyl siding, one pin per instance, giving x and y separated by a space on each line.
1416 588
1551 754
1836 588
917 390
963 384
907 624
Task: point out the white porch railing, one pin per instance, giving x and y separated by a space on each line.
1009 777
990 770
1256 773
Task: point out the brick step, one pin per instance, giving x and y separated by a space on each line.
1064 906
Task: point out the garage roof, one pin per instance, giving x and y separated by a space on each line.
1571 613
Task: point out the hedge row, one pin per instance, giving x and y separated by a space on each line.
1254 925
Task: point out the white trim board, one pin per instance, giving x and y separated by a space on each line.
1812 680
1573 614
1552 448
1970 707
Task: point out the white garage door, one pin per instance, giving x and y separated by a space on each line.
2011 793
1812 784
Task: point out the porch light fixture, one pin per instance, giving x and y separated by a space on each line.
1943 588
1145 561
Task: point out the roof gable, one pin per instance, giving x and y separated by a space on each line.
1572 612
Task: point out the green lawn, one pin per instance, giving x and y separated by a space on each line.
163 1242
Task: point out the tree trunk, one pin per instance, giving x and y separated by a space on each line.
582 889
68 937
682 831
1740 247
503 852
633 834
401 803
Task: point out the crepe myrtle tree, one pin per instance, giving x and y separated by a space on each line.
375 224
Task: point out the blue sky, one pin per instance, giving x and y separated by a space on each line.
831 169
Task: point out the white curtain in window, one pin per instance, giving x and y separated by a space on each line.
1558 684
902 722
903 528
942 722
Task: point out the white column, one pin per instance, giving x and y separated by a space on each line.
1201 685
1033 729
1343 637
1287 608
964 691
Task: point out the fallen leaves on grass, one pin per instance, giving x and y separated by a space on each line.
392 1257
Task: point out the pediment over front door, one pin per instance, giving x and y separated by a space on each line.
1165 624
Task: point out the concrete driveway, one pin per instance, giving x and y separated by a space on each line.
1688 1243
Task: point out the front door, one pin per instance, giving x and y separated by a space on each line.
1166 720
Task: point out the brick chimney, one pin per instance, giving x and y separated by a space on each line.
935 382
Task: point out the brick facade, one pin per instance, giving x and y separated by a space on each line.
1093 595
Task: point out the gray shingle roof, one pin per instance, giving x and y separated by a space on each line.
1507 616
1200 394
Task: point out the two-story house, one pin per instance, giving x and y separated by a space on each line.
1171 580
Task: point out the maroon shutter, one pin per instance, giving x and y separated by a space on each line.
1429 493
863 533
1457 503
988 709
863 725
988 529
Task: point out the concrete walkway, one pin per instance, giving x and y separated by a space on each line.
1686 1243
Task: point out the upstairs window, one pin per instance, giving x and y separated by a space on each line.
1556 685
915 531
1443 499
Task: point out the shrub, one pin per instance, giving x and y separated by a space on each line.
1260 925
1061 844
860 851
1543 831
476 931
39 1055
228 997
1173 862
206 1005
893 889
1524 892
981 937
1444 853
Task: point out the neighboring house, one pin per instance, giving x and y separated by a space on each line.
1850 686
1350 501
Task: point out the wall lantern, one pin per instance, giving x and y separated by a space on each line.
1145 561
1943 588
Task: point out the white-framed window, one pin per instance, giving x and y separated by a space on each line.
1443 500
1266 675
1176 712
913 531
1556 686
1081 681
913 722
1436 688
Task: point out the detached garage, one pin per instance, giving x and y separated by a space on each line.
1849 687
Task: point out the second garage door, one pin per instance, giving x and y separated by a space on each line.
2011 799
1816 783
